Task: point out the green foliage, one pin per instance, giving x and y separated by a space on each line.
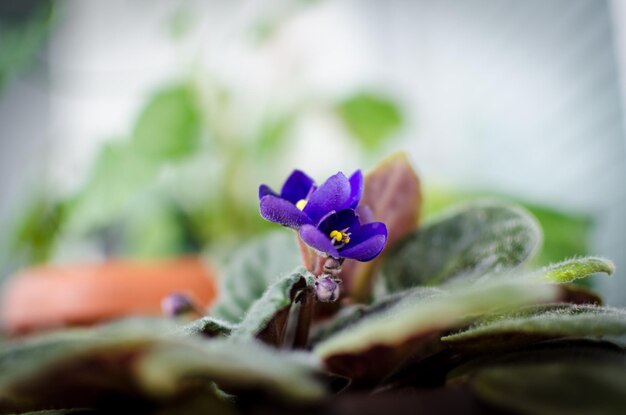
140 363
370 118
23 32
376 344
566 234
35 233
547 322
169 126
118 178
267 317
235 366
209 327
585 379
511 338
251 270
470 241
26 368
125 205
159 230
574 269
273 133
350 315
124 174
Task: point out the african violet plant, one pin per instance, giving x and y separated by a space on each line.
443 318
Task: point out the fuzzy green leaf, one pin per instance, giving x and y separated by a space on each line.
250 270
140 362
577 381
547 322
267 317
235 366
574 269
470 241
23 35
369 349
209 327
348 316
77 367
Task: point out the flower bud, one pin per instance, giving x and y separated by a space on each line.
326 289
177 304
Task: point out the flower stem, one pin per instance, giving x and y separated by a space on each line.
299 320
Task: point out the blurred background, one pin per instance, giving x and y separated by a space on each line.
142 129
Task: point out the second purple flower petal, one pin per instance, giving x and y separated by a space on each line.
278 210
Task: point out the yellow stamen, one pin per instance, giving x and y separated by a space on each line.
338 236
301 204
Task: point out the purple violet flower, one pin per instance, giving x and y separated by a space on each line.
341 235
301 202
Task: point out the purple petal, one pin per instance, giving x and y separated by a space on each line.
346 218
356 189
334 194
365 214
265 190
314 238
282 211
366 242
296 187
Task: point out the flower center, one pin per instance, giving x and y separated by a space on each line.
340 237
301 204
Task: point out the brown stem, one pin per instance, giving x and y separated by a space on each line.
299 320
308 256
305 318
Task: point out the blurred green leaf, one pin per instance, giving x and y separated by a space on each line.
563 381
471 240
371 118
36 231
121 186
156 230
169 126
24 28
368 350
273 133
121 205
181 22
251 269
118 179
524 327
